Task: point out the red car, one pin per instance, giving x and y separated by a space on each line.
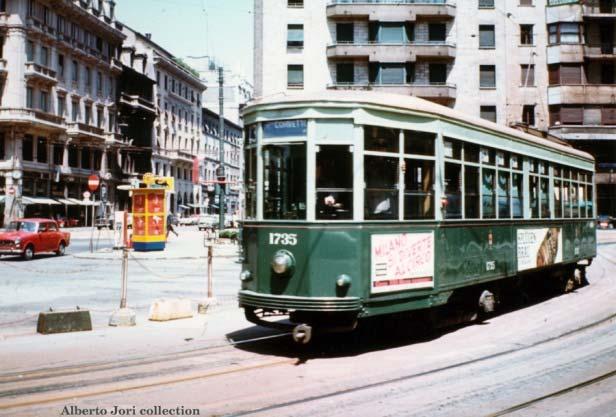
27 237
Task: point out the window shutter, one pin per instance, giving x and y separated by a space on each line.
570 74
571 115
608 115
554 74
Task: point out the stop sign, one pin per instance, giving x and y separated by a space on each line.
93 182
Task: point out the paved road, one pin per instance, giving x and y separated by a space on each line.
473 370
65 282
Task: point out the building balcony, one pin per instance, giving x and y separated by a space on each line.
584 132
598 9
48 117
582 94
180 97
390 52
41 74
175 154
138 102
25 116
565 53
76 129
605 51
431 91
571 12
390 10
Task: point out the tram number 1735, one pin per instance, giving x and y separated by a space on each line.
288 239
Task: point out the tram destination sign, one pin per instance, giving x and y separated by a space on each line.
402 261
285 129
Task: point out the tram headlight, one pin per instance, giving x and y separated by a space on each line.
283 263
343 281
246 276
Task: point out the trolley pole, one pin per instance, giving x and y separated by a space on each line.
124 316
208 242
221 150
124 277
210 255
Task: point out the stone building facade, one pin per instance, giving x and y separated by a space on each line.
210 157
58 72
543 64
177 134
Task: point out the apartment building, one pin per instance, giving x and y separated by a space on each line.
58 74
210 157
177 134
581 57
526 63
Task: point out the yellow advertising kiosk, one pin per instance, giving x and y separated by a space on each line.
150 213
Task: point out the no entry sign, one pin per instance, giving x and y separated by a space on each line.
93 182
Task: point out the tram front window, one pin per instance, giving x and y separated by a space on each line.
284 182
334 172
381 177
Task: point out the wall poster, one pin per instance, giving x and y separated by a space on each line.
402 262
539 247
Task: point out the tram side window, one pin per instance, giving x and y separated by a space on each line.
471 191
488 192
453 190
334 181
381 139
419 143
566 200
503 195
517 195
250 181
545 199
582 199
284 185
573 197
453 148
418 192
381 178
558 203
534 197
471 153
589 196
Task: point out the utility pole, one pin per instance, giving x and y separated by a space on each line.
220 174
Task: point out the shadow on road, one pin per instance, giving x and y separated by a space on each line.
385 332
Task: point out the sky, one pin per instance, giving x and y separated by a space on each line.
222 29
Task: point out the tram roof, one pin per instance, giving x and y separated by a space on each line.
410 103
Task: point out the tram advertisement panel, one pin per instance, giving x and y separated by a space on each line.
402 261
539 247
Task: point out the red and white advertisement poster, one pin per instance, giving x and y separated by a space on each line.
139 225
156 225
402 262
138 203
156 201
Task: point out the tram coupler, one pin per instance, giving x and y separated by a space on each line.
302 333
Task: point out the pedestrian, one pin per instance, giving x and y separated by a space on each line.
170 225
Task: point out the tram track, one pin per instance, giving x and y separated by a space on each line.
136 379
131 376
555 394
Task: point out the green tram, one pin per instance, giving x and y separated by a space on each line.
361 204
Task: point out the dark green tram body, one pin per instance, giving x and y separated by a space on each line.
362 204
464 256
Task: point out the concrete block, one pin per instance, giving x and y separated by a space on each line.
170 309
64 321
123 317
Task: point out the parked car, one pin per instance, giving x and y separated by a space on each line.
27 237
605 222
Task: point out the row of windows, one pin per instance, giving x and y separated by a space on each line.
179 88
399 181
80 37
36 150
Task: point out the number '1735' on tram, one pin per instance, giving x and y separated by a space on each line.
362 204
